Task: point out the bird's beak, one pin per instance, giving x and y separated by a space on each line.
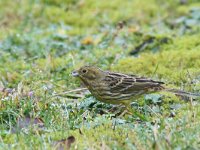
75 73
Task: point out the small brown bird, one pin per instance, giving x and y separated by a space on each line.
118 88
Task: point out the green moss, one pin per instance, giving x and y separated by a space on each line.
42 41
173 64
184 43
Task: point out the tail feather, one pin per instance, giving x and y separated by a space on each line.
183 94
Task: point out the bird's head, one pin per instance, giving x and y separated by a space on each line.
88 73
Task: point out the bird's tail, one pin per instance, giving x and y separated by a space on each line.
183 94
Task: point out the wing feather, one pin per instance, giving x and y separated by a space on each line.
126 84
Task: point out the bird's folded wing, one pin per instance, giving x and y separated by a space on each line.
135 85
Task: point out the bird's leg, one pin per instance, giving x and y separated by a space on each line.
114 108
125 112
127 109
119 110
130 110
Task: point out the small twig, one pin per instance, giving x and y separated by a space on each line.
67 92
72 96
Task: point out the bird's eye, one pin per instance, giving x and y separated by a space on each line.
84 71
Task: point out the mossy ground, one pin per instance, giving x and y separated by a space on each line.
42 41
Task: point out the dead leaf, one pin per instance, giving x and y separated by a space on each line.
28 122
64 144
87 41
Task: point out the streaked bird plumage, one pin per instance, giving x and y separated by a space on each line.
116 88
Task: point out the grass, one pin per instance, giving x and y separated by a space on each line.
42 42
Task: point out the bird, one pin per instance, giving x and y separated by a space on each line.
118 88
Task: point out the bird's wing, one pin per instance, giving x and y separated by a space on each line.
126 84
